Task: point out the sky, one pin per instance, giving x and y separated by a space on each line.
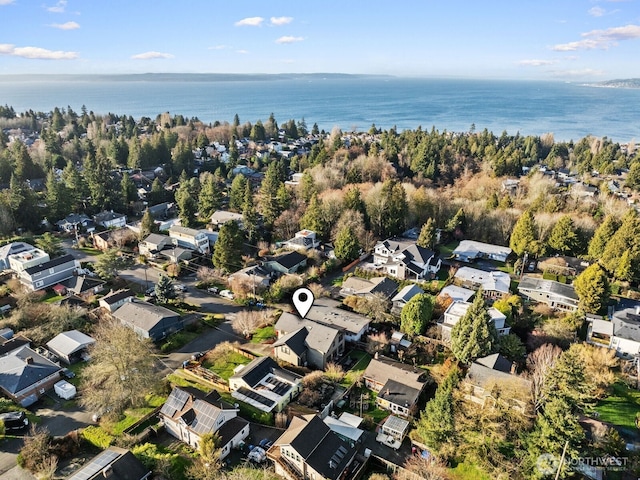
510 39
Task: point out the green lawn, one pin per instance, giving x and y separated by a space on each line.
179 380
264 334
467 471
358 369
447 249
620 408
90 251
224 365
177 340
248 411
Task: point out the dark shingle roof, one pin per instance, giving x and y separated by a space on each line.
81 284
256 370
290 260
50 264
24 367
496 362
116 296
295 341
399 393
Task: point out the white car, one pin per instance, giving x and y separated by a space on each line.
227 294
180 288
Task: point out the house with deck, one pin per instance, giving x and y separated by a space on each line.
555 294
470 250
401 258
494 284
621 332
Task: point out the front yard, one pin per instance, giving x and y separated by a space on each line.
620 408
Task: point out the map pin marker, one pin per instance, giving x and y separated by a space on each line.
303 301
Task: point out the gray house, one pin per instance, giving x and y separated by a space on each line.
291 262
148 320
49 273
555 294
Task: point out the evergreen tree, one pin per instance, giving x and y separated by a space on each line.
236 193
269 193
474 335
436 425
592 288
182 159
601 236
228 248
347 246
624 272
128 189
188 208
492 201
164 289
627 237
109 264
416 314
312 218
56 197
427 235
50 244
564 238
283 197
249 215
158 193
147 225
387 210
210 197
524 235
457 223
307 187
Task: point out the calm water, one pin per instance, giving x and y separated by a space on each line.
570 111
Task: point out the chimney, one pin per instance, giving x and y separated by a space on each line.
376 355
29 360
387 393
638 310
514 368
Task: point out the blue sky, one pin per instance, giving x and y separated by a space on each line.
527 39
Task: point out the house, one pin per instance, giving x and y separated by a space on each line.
303 240
470 250
563 265
76 222
102 240
494 284
291 262
582 190
189 413
264 385
309 449
457 310
622 333
363 287
49 273
25 375
257 276
398 385
176 254
189 238
110 219
148 320
19 262
84 287
457 294
9 343
114 300
302 341
555 294
153 244
487 373
403 259
220 217
12 248
329 312
162 211
510 185
392 431
114 463
403 296
71 346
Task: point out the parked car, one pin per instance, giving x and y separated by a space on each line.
14 420
68 373
150 292
227 294
180 288
214 290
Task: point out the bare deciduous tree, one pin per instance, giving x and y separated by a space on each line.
121 372
539 363
247 322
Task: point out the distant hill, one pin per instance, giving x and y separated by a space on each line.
620 83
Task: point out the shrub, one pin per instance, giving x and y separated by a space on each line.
98 437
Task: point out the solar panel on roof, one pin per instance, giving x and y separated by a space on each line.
206 415
96 465
175 402
256 397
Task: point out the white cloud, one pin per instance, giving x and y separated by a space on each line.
249 22
242 52
36 53
58 7
536 62
289 39
151 55
601 39
6 2
596 11
585 72
277 21
66 26
218 47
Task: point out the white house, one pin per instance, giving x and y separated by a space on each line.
457 294
303 240
189 238
555 294
403 259
18 262
220 217
189 413
404 295
621 333
469 250
110 219
457 310
494 284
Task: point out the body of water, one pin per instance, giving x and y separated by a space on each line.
570 111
